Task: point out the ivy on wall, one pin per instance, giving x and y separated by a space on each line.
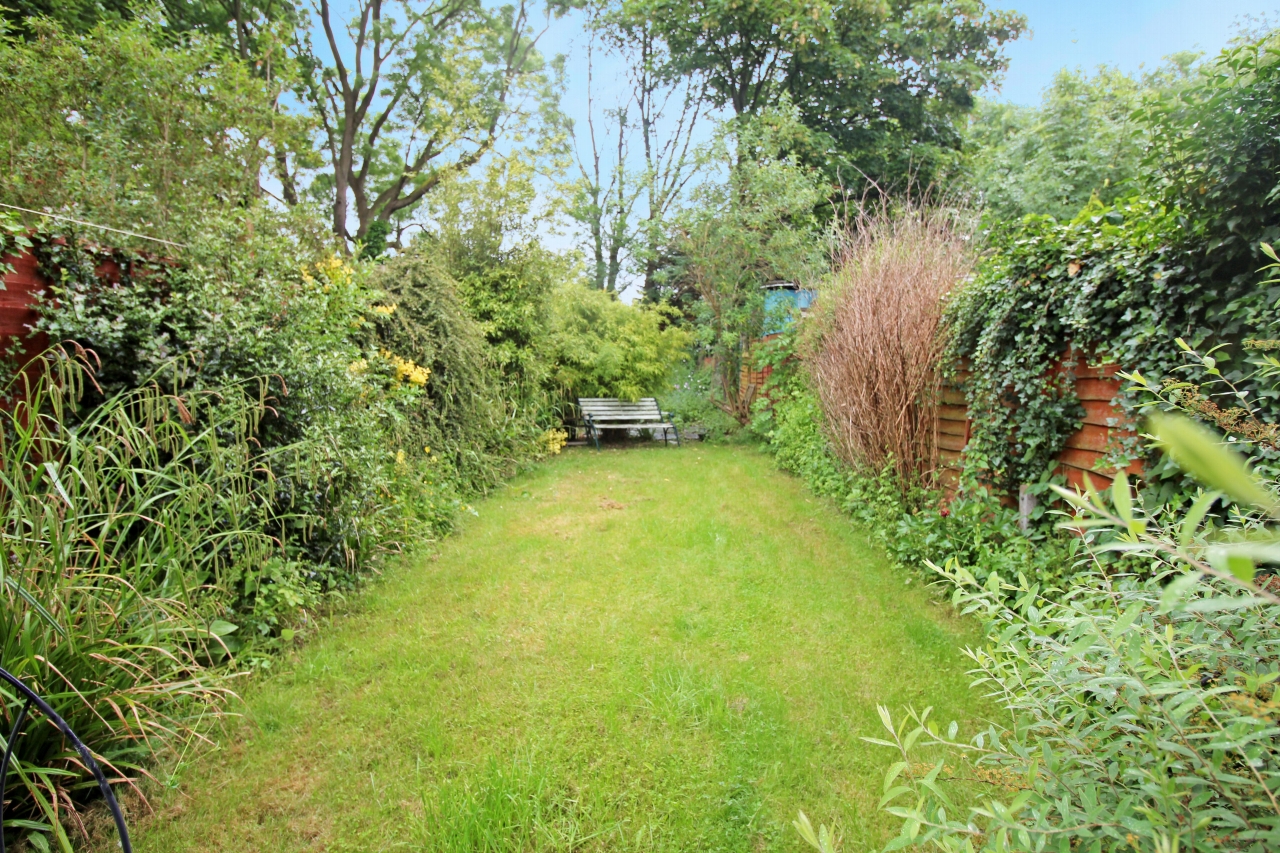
1120 283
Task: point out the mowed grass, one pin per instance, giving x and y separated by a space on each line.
641 649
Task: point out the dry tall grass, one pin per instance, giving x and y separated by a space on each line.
878 338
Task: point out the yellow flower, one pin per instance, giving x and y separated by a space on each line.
399 457
384 310
358 366
554 440
406 370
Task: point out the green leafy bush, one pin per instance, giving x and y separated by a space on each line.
231 312
912 524
692 406
1144 712
600 346
1118 282
1083 141
467 418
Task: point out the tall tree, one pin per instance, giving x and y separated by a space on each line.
881 84
604 194
408 94
668 110
1085 140
626 195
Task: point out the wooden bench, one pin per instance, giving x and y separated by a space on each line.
601 413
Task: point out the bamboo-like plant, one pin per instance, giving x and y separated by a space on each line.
123 528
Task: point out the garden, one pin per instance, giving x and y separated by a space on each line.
956 521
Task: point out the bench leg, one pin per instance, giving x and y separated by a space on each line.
676 430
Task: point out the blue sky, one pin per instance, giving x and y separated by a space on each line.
1124 33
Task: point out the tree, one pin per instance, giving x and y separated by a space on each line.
880 86
484 231
187 130
668 111
73 16
1084 141
603 196
739 234
409 94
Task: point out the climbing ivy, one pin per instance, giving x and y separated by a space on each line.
1120 283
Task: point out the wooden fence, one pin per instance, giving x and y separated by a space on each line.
22 288
1105 425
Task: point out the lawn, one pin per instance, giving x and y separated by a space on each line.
638 649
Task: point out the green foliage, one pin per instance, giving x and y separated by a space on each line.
129 528
753 228
486 239
233 315
880 88
465 415
1117 283
153 150
912 525
1215 157
77 16
1083 142
600 346
1144 710
691 407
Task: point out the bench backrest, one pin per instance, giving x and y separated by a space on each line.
610 409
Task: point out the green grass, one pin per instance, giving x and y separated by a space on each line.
641 649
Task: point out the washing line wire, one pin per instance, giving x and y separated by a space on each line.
93 225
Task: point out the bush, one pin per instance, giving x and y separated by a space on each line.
235 308
1143 707
467 417
601 347
911 523
128 530
692 407
876 338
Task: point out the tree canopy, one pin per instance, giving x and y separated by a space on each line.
881 85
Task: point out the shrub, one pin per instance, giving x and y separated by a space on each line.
128 529
876 342
467 417
601 347
270 301
1143 708
1118 282
690 404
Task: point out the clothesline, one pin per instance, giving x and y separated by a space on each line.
93 225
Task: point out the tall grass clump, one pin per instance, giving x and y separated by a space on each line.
124 526
876 346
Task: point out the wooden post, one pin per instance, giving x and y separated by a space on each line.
1026 506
